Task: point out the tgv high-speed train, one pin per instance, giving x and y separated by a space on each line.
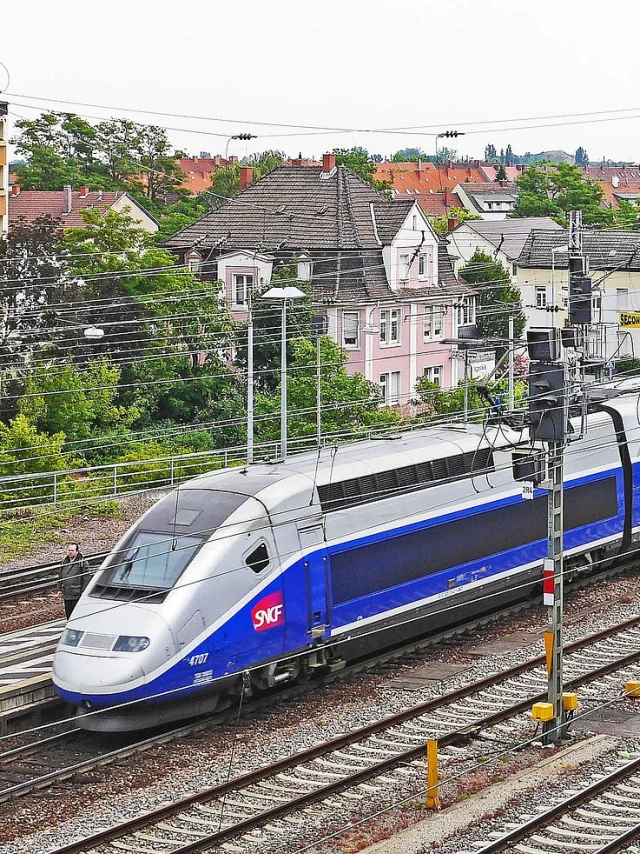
266 573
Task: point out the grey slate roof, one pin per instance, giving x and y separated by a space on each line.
390 217
508 235
606 250
294 207
504 191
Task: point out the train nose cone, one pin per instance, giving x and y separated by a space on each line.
93 674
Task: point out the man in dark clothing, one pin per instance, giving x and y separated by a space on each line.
74 577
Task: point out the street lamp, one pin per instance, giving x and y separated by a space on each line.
93 333
283 294
244 136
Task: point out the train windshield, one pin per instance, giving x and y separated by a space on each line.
165 541
153 560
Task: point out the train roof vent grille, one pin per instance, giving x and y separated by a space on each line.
388 484
93 640
128 594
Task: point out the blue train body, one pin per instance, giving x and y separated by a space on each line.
313 562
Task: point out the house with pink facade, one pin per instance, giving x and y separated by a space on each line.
374 266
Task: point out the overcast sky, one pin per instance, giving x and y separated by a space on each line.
339 64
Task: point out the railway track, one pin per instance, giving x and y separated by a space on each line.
604 817
268 801
36 578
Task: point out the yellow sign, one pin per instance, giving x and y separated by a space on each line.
629 319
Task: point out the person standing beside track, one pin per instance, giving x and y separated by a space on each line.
73 577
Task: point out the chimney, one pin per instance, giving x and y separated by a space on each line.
452 222
84 192
68 199
447 198
469 174
15 190
99 195
328 163
246 176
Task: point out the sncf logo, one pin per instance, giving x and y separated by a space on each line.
268 612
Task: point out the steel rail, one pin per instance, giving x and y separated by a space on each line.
506 842
340 742
40 576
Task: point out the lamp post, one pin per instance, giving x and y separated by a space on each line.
283 295
319 327
250 374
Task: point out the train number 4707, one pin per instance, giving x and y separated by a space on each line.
198 659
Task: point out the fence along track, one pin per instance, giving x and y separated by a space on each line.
258 799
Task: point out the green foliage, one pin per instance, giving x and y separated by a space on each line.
450 402
349 401
64 399
558 191
411 155
359 161
62 148
501 173
440 224
26 534
181 214
496 299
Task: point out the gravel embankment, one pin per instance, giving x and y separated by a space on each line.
94 534
112 794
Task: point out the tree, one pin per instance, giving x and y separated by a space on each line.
358 160
410 155
508 155
440 224
582 158
32 278
555 192
501 173
497 297
490 152
350 403
64 399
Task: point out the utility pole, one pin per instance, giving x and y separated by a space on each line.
548 411
250 374
512 404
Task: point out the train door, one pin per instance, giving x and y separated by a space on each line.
316 580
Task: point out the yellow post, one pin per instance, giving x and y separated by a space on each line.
549 639
433 802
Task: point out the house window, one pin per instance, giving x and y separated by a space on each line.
466 311
541 297
433 374
404 267
514 269
390 327
193 263
415 223
351 329
390 385
422 266
242 284
622 299
432 322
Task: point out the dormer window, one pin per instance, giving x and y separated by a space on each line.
193 259
304 268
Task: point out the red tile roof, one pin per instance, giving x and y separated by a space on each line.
30 204
426 184
199 170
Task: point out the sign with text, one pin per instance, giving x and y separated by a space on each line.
629 319
527 489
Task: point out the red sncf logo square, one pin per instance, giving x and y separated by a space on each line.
268 612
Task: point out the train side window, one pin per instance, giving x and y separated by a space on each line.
258 559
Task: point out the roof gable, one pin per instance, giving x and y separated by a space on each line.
606 250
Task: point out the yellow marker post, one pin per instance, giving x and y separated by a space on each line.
548 650
433 801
